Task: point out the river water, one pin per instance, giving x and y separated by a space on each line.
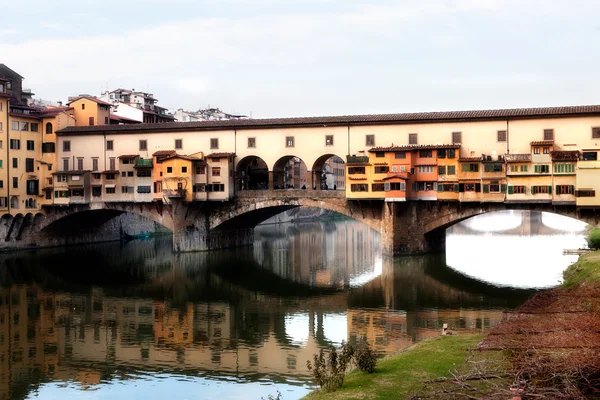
133 320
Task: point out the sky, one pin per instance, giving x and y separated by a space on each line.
278 58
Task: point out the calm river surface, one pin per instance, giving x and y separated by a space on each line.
134 320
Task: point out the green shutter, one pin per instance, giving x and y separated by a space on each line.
503 188
456 187
465 167
511 190
451 153
572 189
56 194
549 189
451 170
442 170
486 188
0 163
476 169
537 169
440 187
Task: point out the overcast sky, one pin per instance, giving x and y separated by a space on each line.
310 57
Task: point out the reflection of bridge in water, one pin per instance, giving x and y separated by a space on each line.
531 223
147 309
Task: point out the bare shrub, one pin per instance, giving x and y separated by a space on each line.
364 356
329 371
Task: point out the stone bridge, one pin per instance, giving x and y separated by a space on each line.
405 228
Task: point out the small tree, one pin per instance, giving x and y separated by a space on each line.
329 373
594 239
364 356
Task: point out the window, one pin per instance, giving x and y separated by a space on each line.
328 140
15 181
15 144
94 164
451 153
382 169
126 189
144 189
15 125
377 187
143 145
470 167
524 168
66 145
456 137
565 189
130 173
595 133
492 167
451 170
585 193
541 189
32 187
356 170
379 154
33 127
400 155
536 150
359 187
425 154
425 169
106 121
370 140
412 138
110 190
49 127
398 186
514 168
216 171
109 145
91 121
29 165
25 126
144 172
15 163
564 168
289 141
61 178
183 169
424 186
9 85
178 144
97 176
441 153
471 187
214 143
198 188
546 150
30 145
492 188
65 164
542 169
501 136
548 134
447 187
251 142
215 187
169 170
441 170
200 170
110 177
83 106
0 122
61 194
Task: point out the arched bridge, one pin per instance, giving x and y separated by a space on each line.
405 228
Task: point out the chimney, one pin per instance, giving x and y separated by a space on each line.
59 103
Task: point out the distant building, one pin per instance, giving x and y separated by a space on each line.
209 114
136 106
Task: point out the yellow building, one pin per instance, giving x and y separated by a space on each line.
178 176
90 111
564 166
587 189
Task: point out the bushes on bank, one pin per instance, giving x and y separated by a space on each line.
594 239
364 356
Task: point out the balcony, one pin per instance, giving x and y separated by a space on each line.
174 193
143 163
358 159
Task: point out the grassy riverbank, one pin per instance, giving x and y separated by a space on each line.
398 376
585 272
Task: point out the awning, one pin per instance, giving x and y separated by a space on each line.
75 186
109 186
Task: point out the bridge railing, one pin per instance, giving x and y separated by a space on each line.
291 193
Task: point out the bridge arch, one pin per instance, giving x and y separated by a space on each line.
251 213
252 173
326 169
290 172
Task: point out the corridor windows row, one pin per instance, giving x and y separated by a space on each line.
25 126
446 170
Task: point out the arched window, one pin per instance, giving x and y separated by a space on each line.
14 202
48 127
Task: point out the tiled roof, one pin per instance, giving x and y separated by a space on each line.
128 156
70 172
416 147
114 117
345 120
469 159
570 155
111 171
91 98
52 112
396 176
217 155
183 157
517 157
542 143
164 153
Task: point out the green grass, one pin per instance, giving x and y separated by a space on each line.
401 375
585 271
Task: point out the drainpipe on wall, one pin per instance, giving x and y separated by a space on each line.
507 138
8 183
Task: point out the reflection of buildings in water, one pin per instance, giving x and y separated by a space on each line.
325 253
